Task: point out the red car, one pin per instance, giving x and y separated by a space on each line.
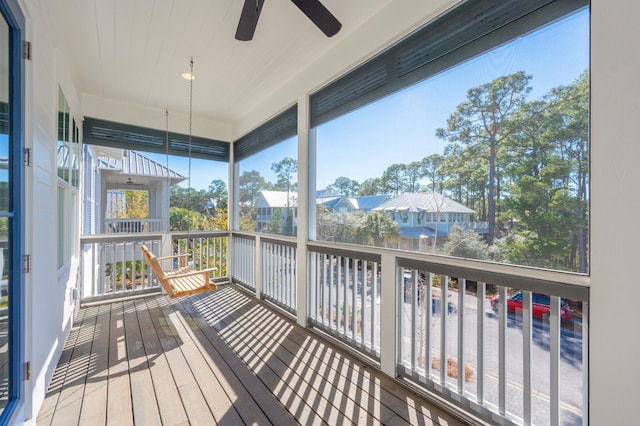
541 305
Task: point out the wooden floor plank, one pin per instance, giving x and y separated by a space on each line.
70 401
47 410
244 380
219 403
387 406
94 405
258 406
145 406
267 339
217 358
119 405
169 403
194 402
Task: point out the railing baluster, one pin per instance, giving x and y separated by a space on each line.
526 356
554 355
428 324
481 294
414 316
444 307
502 362
462 288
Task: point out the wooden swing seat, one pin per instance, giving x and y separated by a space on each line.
183 280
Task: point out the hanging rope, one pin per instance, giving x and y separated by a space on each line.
190 125
166 149
189 242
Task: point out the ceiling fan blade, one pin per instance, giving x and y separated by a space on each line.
248 19
319 15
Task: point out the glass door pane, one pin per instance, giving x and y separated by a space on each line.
5 215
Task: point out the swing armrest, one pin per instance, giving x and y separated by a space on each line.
192 273
172 257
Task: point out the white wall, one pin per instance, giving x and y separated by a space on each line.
615 156
49 299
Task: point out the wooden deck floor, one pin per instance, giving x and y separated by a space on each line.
216 358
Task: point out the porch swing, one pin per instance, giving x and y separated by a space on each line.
183 280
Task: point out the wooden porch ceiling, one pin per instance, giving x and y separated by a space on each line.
216 358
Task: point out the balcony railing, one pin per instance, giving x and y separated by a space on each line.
120 226
504 343
279 272
345 297
113 265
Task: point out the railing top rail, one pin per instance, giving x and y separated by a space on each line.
129 219
120 237
346 250
536 284
246 236
285 241
484 270
199 234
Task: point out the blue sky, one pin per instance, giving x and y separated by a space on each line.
401 128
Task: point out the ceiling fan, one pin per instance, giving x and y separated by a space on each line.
315 11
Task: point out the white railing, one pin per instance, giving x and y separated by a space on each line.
506 344
113 265
345 296
120 226
525 360
206 249
279 271
243 268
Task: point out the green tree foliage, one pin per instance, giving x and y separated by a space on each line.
432 170
478 122
394 179
219 193
371 186
338 226
276 223
250 184
378 229
549 180
413 173
285 170
344 186
467 244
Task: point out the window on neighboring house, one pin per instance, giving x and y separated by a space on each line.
423 129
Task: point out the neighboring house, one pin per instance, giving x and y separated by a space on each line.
114 171
269 202
337 203
424 215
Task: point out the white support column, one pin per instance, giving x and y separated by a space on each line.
306 187
233 209
613 314
389 295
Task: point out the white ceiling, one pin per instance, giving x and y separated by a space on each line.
133 51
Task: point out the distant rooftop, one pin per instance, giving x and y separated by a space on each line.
134 163
430 202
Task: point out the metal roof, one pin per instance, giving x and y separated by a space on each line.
279 198
368 202
430 202
134 163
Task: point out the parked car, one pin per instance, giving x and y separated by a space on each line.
540 305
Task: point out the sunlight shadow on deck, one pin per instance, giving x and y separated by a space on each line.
312 378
